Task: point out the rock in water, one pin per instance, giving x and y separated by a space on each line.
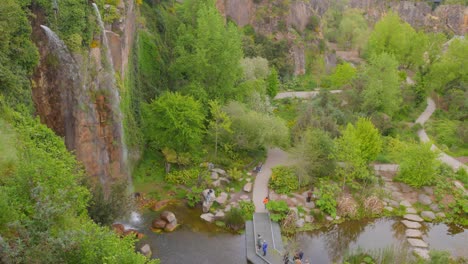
410 224
413 233
209 217
413 217
170 227
415 242
146 250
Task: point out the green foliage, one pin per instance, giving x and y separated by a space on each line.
342 75
417 163
357 147
208 52
186 177
393 36
235 174
253 130
353 30
446 132
219 123
272 83
313 155
18 54
194 196
104 210
382 90
278 210
47 220
313 23
283 180
234 219
174 121
247 209
450 72
255 68
327 193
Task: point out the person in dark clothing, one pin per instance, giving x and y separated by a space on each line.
286 258
300 254
264 247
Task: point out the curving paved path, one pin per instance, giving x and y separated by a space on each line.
301 94
449 160
275 157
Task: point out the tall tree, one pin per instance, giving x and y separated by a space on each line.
382 90
353 30
208 54
219 123
174 121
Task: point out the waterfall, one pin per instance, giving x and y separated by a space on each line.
69 75
113 90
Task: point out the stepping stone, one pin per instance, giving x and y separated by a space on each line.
411 210
394 204
405 188
435 208
410 224
397 195
416 242
388 208
405 203
244 197
413 233
440 215
413 217
222 198
424 199
428 190
428 215
422 252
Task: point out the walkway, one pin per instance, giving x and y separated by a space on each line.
302 94
275 157
422 119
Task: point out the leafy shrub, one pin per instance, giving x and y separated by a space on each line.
235 174
234 219
326 201
193 196
247 209
185 177
283 180
347 206
278 210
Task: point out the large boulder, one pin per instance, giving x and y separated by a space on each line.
168 216
158 223
146 250
208 197
222 198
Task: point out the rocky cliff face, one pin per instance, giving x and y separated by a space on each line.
79 99
261 15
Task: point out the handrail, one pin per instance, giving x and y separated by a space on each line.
255 244
273 236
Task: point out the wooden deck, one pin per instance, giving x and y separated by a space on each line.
271 233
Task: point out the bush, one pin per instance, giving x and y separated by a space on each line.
193 196
284 180
186 177
247 209
234 174
326 201
234 219
278 210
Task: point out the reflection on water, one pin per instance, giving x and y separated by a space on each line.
196 241
330 244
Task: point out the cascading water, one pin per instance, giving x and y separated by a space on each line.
135 217
70 75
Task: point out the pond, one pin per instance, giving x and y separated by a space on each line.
196 241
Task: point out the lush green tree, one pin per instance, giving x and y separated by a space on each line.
396 37
272 83
356 148
253 130
255 68
313 155
450 71
219 123
342 75
208 53
418 164
353 30
382 85
174 121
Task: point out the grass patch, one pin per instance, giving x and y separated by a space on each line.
7 149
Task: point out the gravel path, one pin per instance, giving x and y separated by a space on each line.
309 94
449 160
275 157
